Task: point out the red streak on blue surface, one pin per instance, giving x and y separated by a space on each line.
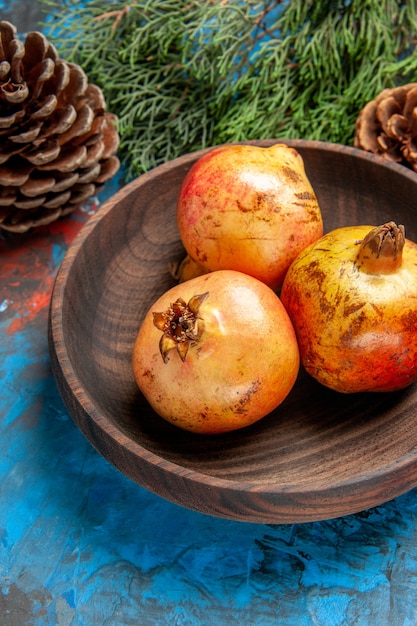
29 264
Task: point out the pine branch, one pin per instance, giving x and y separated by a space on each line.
184 74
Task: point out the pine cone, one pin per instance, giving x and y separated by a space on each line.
57 144
388 125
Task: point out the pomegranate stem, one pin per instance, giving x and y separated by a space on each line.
380 252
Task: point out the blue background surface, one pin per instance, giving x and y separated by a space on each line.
81 545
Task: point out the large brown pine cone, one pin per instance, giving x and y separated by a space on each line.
388 125
57 144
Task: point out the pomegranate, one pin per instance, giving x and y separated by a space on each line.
248 208
216 353
352 297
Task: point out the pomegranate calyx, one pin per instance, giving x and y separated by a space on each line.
380 252
181 326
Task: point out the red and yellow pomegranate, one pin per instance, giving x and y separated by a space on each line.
352 297
216 353
247 208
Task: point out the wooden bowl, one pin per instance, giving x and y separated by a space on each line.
319 455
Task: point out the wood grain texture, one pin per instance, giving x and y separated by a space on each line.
320 455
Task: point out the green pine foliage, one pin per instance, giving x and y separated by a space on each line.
185 74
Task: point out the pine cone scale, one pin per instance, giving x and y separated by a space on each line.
68 160
112 140
108 169
47 108
62 121
27 136
36 48
40 155
44 86
81 126
57 200
9 150
388 107
94 153
398 127
82 193
13 177
13 93
7 198
4 69
89 175
67 182
76 86
34 187
28 203
41 73
8 121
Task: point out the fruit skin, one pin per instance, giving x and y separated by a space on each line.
356 330
244 365
250 209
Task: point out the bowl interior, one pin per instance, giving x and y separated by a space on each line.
343 453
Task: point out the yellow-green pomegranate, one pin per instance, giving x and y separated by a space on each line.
352 297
